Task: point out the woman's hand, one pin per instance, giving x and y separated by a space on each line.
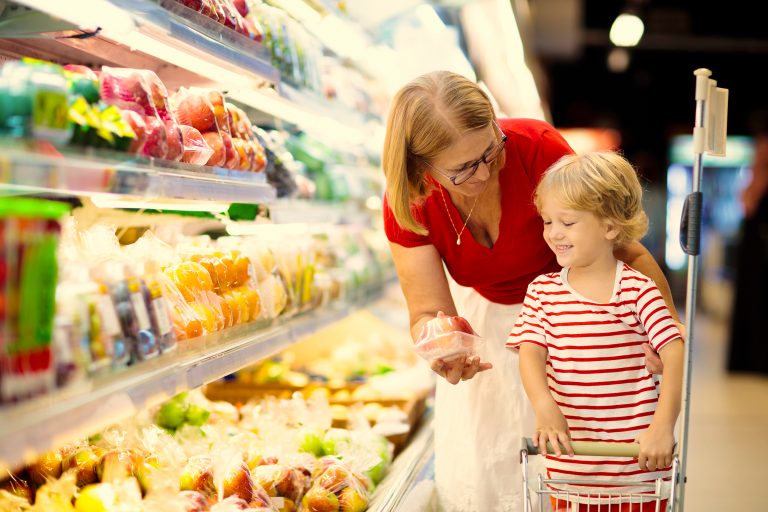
657 445
461 368
551 427
652 360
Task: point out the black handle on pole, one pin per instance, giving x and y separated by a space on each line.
690 224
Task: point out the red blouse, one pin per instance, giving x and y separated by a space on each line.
502 273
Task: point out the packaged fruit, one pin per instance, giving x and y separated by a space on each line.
196 150
447 337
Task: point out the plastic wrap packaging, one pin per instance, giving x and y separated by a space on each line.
128 89
336 488
196 150
447 337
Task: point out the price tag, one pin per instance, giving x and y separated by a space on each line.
160 307
141 311
108 316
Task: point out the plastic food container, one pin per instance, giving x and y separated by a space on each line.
447 346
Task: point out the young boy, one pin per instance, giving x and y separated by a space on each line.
580 333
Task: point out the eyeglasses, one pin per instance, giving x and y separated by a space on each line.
467 172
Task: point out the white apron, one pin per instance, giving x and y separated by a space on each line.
479 424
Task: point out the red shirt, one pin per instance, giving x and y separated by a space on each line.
502 273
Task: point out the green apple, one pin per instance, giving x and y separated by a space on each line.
197 415
311 441
172 414
335 438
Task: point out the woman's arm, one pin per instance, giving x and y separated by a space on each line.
637 256
425 286
551 425
422 278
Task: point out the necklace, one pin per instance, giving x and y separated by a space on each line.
458 233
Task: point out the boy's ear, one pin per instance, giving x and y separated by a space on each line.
611 230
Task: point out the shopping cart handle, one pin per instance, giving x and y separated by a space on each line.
595 448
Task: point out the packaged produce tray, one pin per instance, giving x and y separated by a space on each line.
340 399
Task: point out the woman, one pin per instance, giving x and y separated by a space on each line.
459 197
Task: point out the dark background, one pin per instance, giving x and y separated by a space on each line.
653 99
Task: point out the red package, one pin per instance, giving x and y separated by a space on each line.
447 337
139 91
139 128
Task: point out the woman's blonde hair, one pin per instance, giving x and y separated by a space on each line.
603 183
426 116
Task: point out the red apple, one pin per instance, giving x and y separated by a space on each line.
198 476
175 141
238 482
216 143
83 462
334 478
196 150
139 127
319 499
195 110
194 501
445 323
241 6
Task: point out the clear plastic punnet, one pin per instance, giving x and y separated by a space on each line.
447 337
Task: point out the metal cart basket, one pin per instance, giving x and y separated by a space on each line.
625 497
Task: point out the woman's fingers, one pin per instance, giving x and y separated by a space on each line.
463 368
652 360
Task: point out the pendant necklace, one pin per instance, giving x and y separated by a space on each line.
458 233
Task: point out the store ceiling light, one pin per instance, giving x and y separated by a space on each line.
627 30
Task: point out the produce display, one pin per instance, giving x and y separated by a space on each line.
194 455
365 369
119 305
126 110
88 307
29 230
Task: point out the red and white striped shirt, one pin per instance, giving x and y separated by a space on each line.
596 366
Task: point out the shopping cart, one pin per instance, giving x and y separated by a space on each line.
709 136
646 496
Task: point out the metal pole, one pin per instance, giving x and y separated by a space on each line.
692 248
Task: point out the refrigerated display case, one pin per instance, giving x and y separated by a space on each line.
183 48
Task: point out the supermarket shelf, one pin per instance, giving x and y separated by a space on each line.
407 469
164 31
24 171
30 428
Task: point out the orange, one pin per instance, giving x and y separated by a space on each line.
253 300
206 315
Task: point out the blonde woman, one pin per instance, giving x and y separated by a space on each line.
459 195
580 335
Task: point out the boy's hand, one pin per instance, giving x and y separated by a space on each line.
551 427
657 445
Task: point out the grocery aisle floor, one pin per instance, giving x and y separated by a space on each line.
728 451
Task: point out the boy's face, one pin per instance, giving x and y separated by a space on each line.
577 237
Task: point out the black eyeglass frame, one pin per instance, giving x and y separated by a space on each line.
472 168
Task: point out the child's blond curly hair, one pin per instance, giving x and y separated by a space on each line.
601 182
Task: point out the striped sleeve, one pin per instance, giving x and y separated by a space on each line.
655 316
529 327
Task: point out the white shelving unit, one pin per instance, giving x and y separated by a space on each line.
183 48
73 173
